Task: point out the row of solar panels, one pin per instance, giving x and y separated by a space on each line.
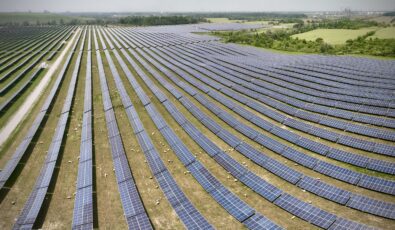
16 37
379 165
83 204
229 201
309 95
183 207
33 205
256 183
316 108
140 39
344 78
33 63
310 82
268 73
350 141
351 73
366 181
19 48
380 148
233 143
23 146
15 65
134 211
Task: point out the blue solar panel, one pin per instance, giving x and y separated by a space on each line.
324 190
230 164
348 157
83 210
344 224
229 138
381 166
251 153
204 177
305 211
283 171
300 158
377 184
337 172
270 144
376 207
258 221
236 207
315 147
260 186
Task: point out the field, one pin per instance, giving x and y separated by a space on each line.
159 128
340 36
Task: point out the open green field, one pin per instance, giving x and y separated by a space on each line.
385 33
333 36
340 36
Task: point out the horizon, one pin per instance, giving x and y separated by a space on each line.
179 6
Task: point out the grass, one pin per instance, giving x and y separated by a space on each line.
385 33
333 36
340 36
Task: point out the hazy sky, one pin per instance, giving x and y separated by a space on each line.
193 5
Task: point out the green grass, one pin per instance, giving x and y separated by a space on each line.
333 36
385 33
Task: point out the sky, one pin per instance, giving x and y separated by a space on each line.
193 5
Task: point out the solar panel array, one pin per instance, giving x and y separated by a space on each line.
133 207
256 183
294 118
180 203
22 148
83 204
32 207
195 112
236 207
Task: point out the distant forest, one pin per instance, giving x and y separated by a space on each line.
160 20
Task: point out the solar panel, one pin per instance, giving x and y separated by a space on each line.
208 146
211 125
348 157
269 143
260 186
258 221
283 171
377 184
208 182
305 211
324 190
300 158
376 207
229 138
236 207
83 210
337 172
251 153
344 224
230 164
381 166
139 221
